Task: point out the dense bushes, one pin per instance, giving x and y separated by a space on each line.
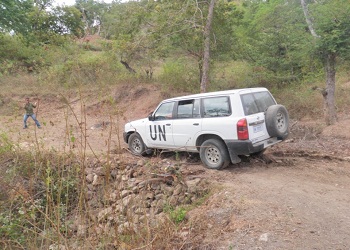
179 75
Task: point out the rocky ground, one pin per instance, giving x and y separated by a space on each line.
296 196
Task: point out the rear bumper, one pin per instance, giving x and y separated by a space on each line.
247 147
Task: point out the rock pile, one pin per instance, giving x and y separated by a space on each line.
123 198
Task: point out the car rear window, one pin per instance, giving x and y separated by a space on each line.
257 102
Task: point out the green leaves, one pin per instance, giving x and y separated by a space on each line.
67 20
332 24
13 15
274 37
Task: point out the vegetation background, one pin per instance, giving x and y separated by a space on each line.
300 50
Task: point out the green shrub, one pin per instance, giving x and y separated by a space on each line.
6 144
12 229
230 75
88 69
41 204
177 215
300 99
180 75
17 56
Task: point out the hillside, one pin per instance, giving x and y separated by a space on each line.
294 197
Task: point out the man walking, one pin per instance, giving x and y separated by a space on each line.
29 112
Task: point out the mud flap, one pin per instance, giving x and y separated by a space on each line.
234 158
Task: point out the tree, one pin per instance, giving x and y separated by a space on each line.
13 15
148 30
199 30
272 38
67 20
42 25
329 24
128 26
291 38
92 13
206 54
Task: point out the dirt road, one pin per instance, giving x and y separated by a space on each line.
294 203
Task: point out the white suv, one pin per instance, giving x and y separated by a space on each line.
220 126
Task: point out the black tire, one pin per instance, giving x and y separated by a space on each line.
277 121
214 154
136 144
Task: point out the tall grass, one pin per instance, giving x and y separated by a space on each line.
179 75
42 189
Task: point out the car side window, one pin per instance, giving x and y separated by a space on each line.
216 107
164 112
188 109
264 100
249 104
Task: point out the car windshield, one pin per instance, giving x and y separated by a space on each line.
164 112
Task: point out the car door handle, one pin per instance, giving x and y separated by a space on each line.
168 124
195 124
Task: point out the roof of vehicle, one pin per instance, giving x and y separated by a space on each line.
216 93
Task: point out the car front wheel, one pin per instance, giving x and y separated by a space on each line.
136 144
214 154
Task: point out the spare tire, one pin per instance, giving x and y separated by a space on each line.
277 121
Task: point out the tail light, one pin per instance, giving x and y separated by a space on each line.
242 129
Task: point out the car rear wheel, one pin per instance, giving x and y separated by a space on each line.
214 154
277 121
136 144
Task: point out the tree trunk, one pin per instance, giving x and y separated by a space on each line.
330 113
200 68
308 20
329 96
206 55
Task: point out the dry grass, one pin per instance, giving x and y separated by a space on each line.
43 191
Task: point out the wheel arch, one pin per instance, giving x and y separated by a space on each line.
128 135
205 137
233 156
146 151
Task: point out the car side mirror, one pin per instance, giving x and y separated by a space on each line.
151 117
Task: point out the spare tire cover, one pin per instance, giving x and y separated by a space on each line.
277 121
